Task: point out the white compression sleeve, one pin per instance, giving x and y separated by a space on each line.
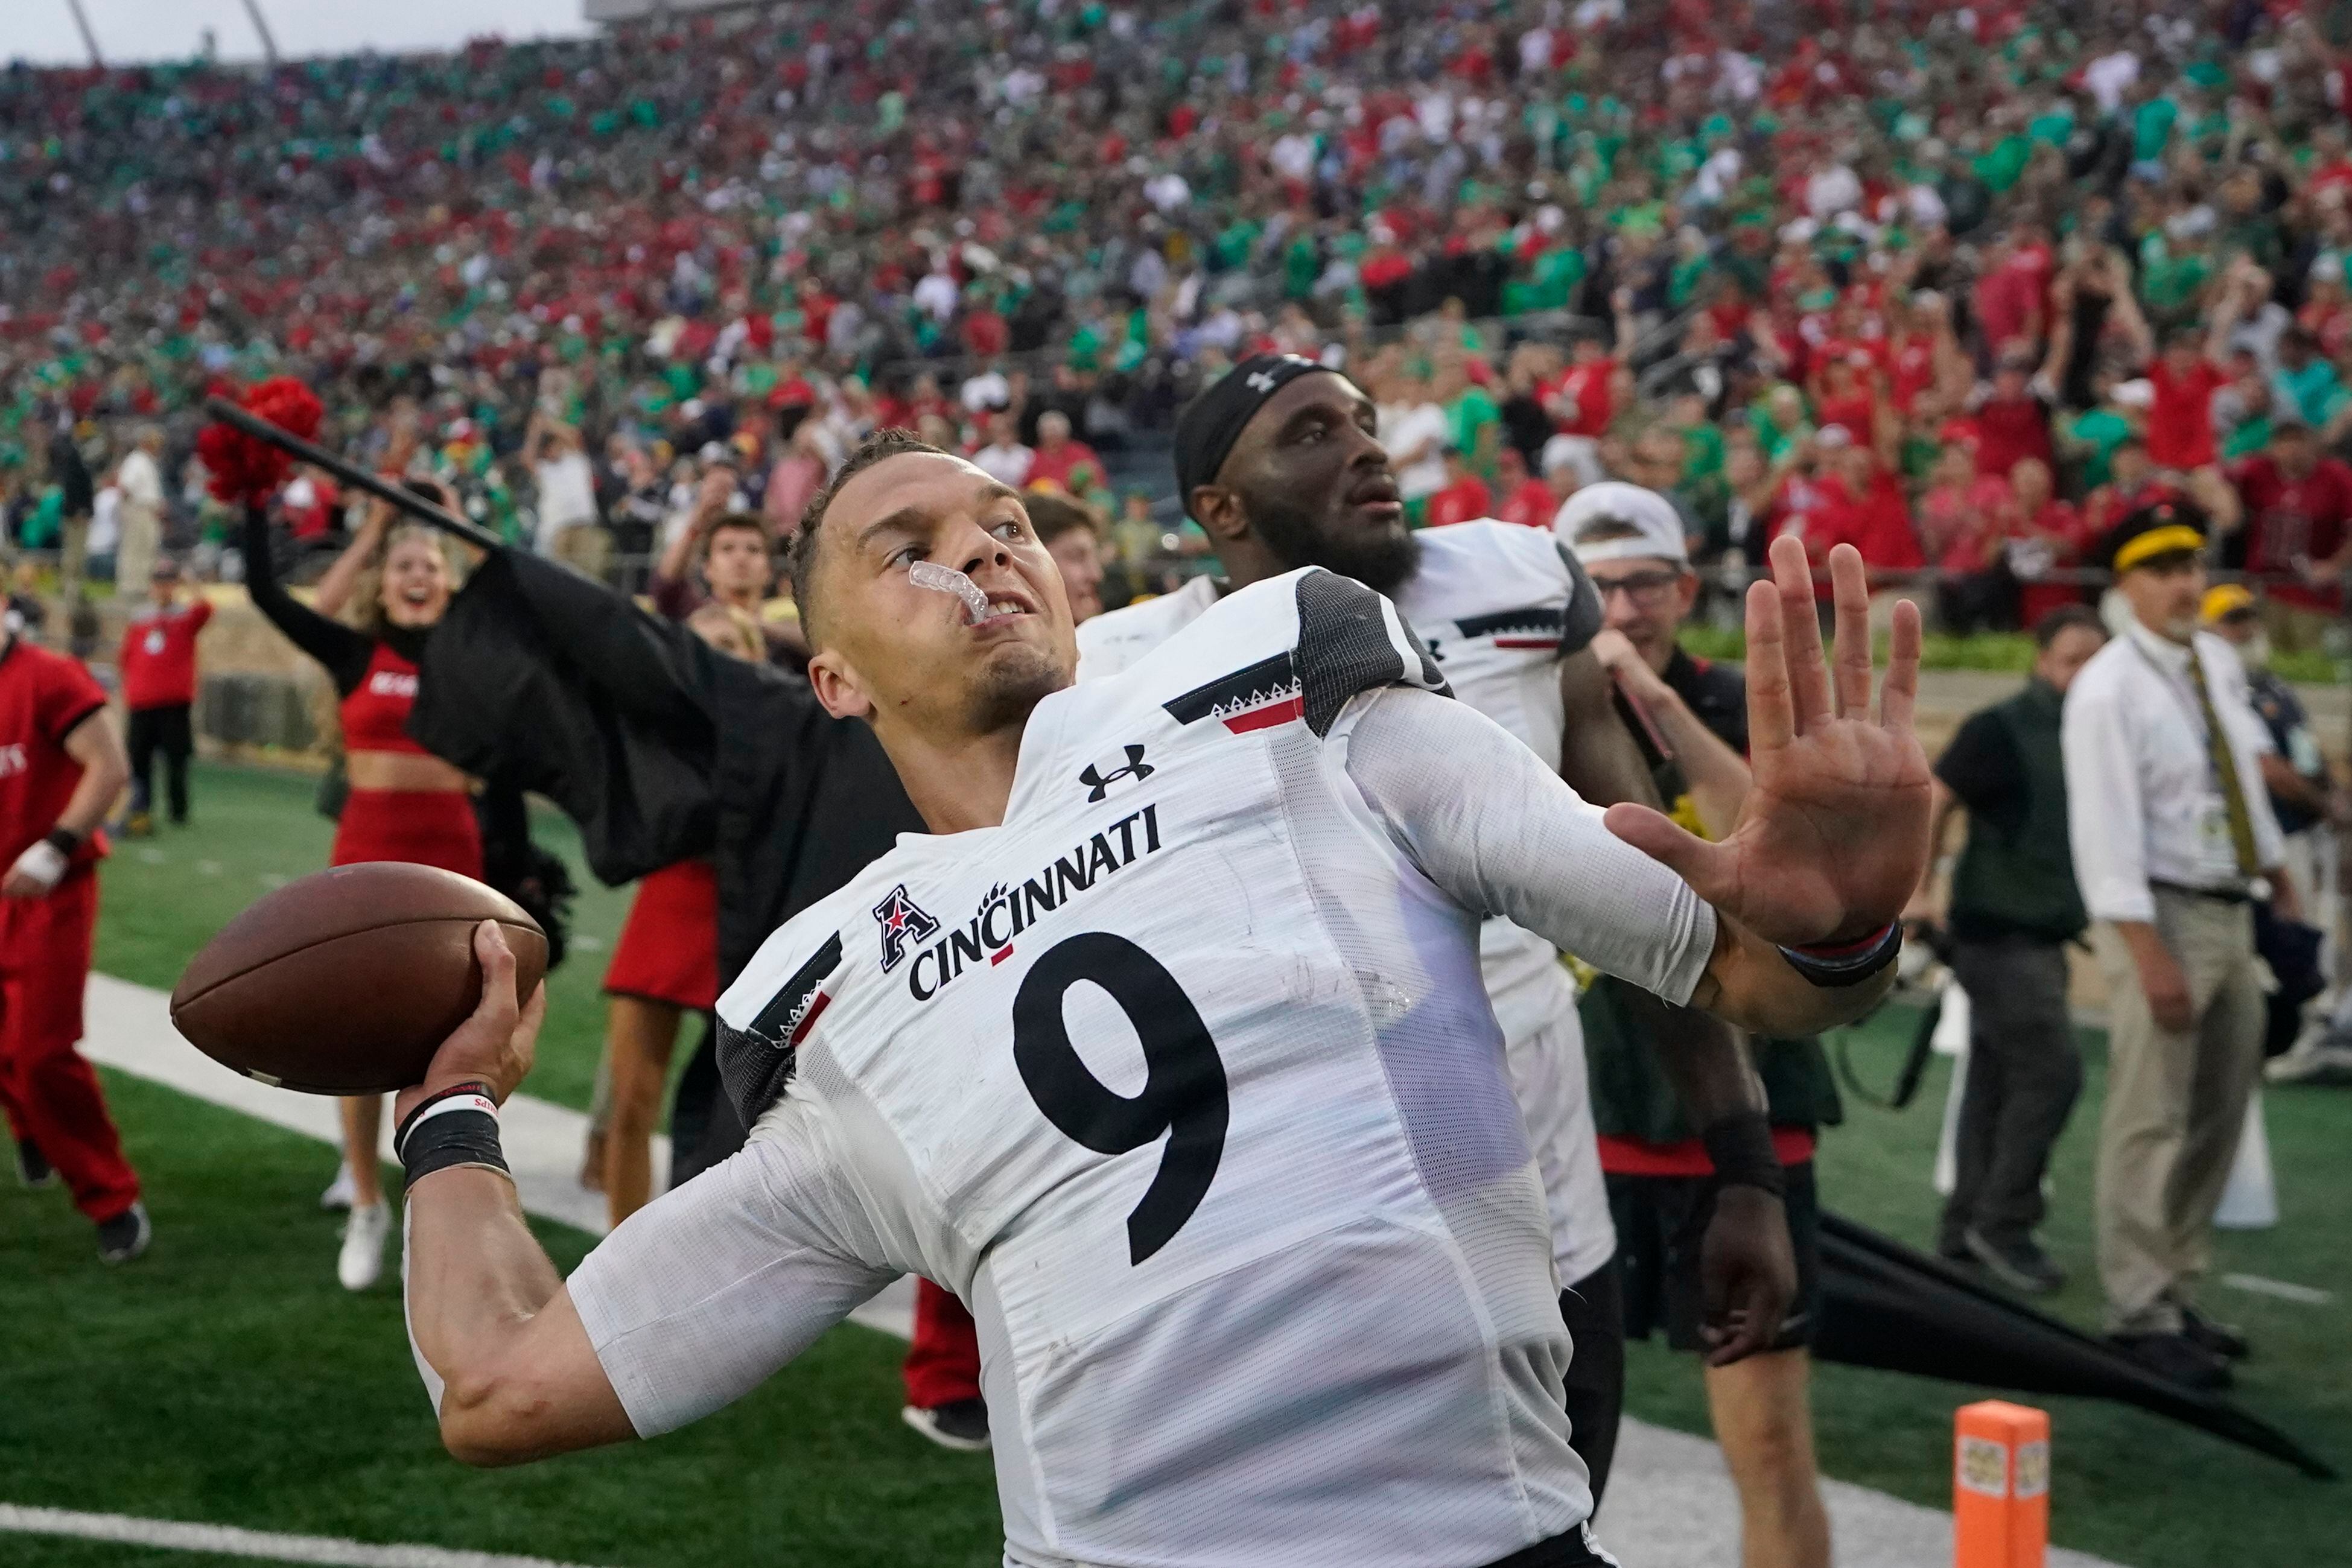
433 1385
1503 834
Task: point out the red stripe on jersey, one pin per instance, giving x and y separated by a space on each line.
1266 717
999 956
1545 643
808 1019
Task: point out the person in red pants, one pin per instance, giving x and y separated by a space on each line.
61 767
943 1373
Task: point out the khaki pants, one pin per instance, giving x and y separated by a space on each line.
134 556
587 548
2175 1104
2295 628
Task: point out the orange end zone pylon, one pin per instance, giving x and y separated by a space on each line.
2001 1485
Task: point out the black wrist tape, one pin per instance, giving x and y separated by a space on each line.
456 1127
456 1138
400 1133
65 841
1850 964
1740 1148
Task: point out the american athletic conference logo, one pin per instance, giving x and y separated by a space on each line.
902 921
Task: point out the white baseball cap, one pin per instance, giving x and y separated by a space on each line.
1659 535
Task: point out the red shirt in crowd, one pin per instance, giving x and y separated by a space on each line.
2010 430
1856 411
2053 536
2181 422
1532 505
311 504
2291 522
2011 297
159 654
44 697
1054 464
1585 389
1877 522
2111 503
1961 523
1911 369
1465 500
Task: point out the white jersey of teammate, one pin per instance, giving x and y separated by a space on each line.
1184 1079
1498 605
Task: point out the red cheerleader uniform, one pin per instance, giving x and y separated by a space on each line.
668 950
376 679
423 827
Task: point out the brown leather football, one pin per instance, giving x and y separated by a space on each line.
347 981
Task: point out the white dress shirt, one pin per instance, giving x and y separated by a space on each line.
2143 802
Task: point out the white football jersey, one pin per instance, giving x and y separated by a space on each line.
1497 605
1184 1079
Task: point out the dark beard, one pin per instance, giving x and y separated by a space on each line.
1380 561
1011 688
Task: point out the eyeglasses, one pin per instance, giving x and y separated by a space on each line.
1647 590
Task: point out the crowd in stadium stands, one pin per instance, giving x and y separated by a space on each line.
1959 285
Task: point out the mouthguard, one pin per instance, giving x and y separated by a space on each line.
947 579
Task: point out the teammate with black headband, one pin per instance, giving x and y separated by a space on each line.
1278 463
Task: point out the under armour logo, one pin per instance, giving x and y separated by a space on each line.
1260 382
902 921
1099 782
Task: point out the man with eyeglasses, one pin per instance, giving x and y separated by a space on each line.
1663 1187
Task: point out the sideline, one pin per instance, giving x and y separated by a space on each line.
227 1540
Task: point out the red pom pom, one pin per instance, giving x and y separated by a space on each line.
243 469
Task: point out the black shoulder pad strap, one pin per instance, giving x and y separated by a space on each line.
1348 643
756 1063
1583 618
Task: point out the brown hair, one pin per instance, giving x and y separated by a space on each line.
2064 619
801 560
749 521
1051 516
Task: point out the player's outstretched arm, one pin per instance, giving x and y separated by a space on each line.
1832 837
500 1346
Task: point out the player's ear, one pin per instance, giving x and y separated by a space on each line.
1219 512
837 687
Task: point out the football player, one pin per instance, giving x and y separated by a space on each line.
1167 1051
1278 463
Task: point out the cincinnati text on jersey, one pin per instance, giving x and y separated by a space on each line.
1007 911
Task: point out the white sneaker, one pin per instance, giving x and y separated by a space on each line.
362 1261
339 1191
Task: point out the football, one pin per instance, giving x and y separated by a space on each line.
346 982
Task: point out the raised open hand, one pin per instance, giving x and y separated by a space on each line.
1832 837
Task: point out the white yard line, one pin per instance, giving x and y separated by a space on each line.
2257 1285
1670 1503
130 1029
268 1546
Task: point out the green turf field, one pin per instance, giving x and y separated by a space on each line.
225 1378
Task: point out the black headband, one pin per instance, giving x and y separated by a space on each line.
1212 422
